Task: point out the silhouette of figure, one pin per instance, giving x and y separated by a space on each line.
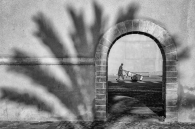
120 72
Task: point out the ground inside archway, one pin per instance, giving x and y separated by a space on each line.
140 100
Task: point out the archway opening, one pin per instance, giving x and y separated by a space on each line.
137 88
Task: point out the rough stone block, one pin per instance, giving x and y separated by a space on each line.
100 62
102 48
171 117
105 85
169 62
171 109
129 25
98 118
122 28
150 28
143 25
171 68
100 96
168 41
99 85
171 74
100 68
171 56
157 32
100 91
100 55
100 114
171 102
101 73
170 48
101 79
171 94
172 86
171 98
105 42
163 36
112 34
171 80
100 108
100 102
171 113
135 25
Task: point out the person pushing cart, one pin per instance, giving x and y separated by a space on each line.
133 76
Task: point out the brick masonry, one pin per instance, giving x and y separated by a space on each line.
169 66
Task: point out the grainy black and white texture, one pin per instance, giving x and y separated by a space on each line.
54 64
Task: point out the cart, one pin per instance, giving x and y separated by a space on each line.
134 76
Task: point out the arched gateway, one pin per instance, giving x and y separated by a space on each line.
169 54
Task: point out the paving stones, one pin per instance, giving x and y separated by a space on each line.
96 125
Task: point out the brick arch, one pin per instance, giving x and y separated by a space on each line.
169 54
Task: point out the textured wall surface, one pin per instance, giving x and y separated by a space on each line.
64 29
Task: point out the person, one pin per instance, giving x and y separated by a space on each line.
120 72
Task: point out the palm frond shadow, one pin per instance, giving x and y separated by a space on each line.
24 98
73 98
41 77
128 14
84 46
76 97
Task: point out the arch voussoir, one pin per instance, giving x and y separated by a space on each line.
151 28
169 49
171 56
112 34
136 25
102 48
122 28
129 25
143 26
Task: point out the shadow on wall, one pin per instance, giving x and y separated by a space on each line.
128 14
84 46
74 102
75 99
183 53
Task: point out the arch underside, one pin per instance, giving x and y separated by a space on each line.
169 53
